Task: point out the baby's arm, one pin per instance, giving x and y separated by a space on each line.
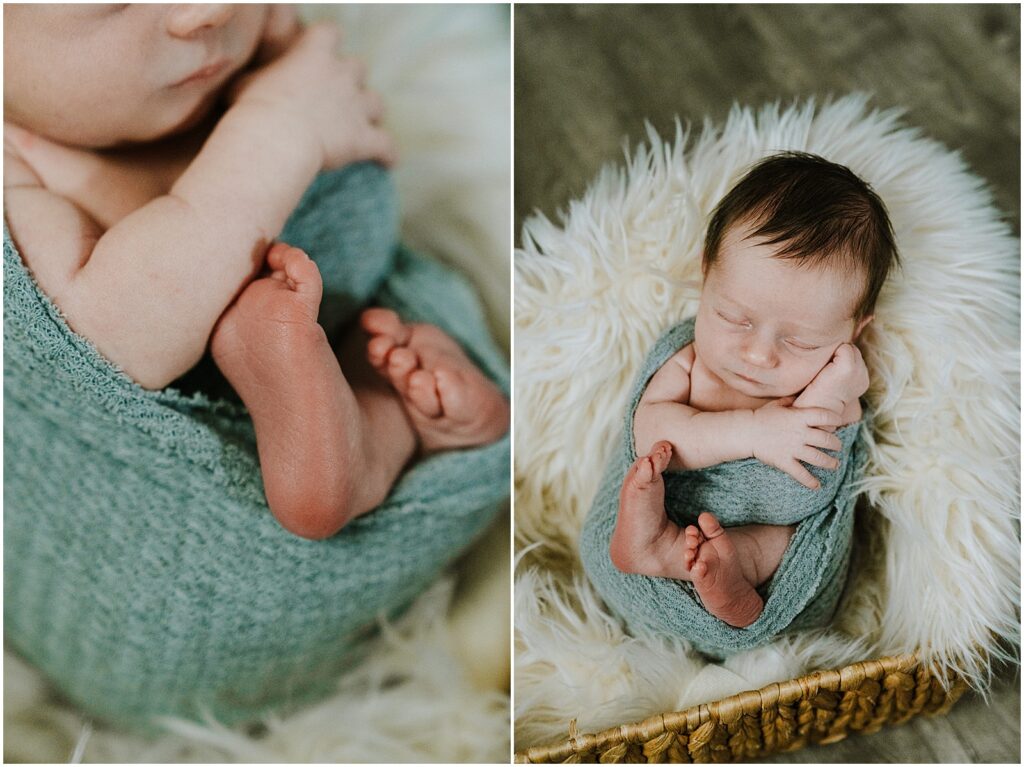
839 385
155 284
150 289
776 434
698 438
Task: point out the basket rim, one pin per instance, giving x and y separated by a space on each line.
727 709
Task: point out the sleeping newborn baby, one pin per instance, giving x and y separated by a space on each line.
152 154
766 375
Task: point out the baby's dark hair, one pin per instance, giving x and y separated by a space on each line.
820 212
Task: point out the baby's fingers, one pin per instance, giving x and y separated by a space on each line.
818 458
824 439
374 107
798 472
378 145
280 30
819 416
322 34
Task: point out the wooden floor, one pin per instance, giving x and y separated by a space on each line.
587 76
972 732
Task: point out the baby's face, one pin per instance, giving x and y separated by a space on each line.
766 326
101 75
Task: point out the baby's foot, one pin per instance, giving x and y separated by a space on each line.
719 579
450 403
643 485
642 540
642 498
278 359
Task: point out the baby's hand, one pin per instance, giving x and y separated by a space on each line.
280 32
322 97
784 436
841 382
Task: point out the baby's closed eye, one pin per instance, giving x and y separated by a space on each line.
802 346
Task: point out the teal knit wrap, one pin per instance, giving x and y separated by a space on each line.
805 589
143 572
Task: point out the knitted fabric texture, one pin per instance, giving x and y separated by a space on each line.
806 587
143 572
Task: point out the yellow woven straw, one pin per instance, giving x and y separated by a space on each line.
822 707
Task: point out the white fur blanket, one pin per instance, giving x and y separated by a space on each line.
433 689
937 558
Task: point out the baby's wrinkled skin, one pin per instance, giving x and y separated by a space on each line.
152 153
772 372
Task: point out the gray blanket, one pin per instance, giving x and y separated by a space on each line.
143 572
805 589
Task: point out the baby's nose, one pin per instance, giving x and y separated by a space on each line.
186 19
760 353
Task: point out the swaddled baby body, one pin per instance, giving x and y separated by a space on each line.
794 258
147 210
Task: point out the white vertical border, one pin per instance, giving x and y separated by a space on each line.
512 387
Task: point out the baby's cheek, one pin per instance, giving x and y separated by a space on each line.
809 369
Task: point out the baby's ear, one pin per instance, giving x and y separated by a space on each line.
861 325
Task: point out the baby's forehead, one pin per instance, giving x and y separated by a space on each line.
755 279
831 263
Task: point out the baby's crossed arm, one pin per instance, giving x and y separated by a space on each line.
839 385
150 289
777 434
698 438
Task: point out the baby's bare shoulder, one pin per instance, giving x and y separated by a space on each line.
684 359
672 381
53 235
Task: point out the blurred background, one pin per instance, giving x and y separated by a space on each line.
586 78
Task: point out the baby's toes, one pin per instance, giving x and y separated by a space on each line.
707 562
423 395
401 362
378 321
377 350
689 557
278 254
304 276
643 472
709 525
661 454
454 393
693 536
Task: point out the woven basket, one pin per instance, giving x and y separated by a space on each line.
822 707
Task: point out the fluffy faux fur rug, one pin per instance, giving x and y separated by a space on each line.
937 557
433 689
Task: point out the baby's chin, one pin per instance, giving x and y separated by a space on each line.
174 125
764 392
209 106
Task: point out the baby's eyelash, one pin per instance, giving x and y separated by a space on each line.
801 347
730 320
